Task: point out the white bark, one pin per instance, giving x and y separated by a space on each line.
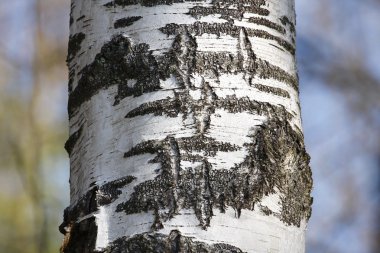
108 128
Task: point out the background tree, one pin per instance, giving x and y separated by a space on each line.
185 130
32 125
338 55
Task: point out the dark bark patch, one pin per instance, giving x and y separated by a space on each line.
172 243
199 28
71 13
203 188
81 237
239 2
286 21
75 45
198 143
202 143
227 13
84 206
274 142
230 9
276 91
279 48
264 170
70 143
124 22
266 70
146 3
267 23
71 78
233 104
110 191
81 17
149 147
168 107
118 62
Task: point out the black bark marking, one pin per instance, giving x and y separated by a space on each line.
267 23
214 64
183 53
274 142
74 45
230 9
81 17
168 107
208 145
71 13
246 57
286 21
211 64
150 147
198 143
118 62
199 28
85 206
181 64
124 22
276 91
139 65
167 189
233 104
146 3
226 13
279 48
203 188
70 143
172 243
80 237
71 78
110 191
239 2
266 70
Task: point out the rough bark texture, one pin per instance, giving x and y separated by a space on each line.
185 128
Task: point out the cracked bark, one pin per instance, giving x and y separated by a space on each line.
185 131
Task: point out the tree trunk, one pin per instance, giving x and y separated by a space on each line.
185 130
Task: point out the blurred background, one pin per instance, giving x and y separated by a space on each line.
339 66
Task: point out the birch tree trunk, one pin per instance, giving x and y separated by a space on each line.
185 130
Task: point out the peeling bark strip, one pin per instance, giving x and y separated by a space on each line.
186 132
79 228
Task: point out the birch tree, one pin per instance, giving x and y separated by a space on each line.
185 129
